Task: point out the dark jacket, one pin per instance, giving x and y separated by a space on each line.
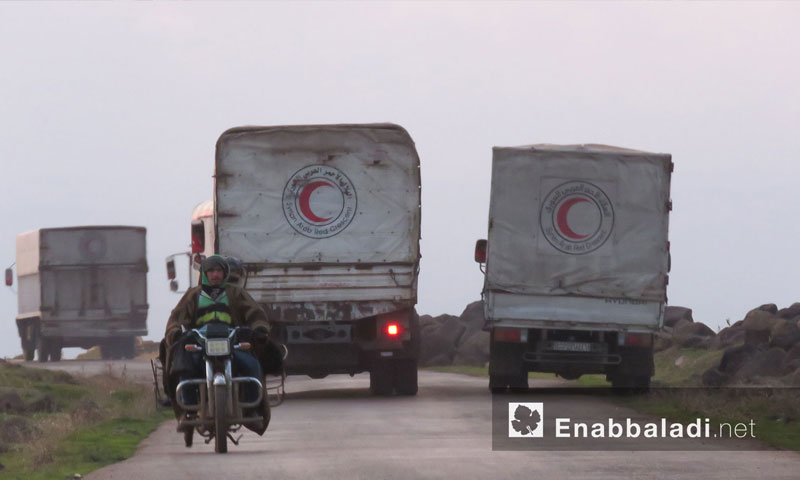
245 312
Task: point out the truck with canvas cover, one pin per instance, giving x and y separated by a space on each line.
326 221
576 262
81 287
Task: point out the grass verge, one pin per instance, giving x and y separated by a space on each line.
62 425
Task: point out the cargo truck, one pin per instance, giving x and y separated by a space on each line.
576 262
326 220
81 287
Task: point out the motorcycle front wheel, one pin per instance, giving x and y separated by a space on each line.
220 425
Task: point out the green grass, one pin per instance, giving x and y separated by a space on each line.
98 421
683 366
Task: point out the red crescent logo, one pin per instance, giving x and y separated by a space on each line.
305 196
561 218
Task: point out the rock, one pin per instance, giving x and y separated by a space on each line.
758 324
790 312
735 357
662 341
763 364
784 335
793 352
674 314
17 430
10 402
688 334
714 378
441 360
729 336
439 336
473 319
769 308
760 320
474 351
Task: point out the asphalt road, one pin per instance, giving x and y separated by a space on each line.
333 429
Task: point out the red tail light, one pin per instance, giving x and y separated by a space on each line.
393 329
508 335
638 340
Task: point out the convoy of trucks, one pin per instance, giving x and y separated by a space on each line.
576 262
81 287
326 220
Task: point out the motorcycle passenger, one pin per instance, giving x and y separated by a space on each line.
236 271
213 300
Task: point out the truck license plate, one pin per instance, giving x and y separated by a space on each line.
571 346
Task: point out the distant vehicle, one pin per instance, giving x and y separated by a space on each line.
81 287
577 262
326 220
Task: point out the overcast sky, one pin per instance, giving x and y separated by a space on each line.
109 113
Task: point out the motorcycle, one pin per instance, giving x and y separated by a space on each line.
214 405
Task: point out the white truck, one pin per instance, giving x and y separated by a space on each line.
576 263
326 220
81 287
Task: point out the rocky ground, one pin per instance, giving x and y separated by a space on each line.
763 348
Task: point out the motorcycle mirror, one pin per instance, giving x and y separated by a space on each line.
173 285
9 277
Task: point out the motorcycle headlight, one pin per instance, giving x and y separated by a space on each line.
218 347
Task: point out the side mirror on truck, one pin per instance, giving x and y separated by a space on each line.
480 250
173 285
9 277
171 269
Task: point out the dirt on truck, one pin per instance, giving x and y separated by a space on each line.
576 262
326 221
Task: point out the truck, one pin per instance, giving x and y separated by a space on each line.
576 262
326 221
81 286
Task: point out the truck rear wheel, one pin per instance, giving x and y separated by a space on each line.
128 347
517 383
405 377
28 348
380 378
55 350
43 349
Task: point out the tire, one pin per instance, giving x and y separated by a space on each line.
517 383
43 349
188 437
381 379
220 425
107 351
28 350
405 378
630 384
127 347
55 352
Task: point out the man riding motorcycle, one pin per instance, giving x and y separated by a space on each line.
214 300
